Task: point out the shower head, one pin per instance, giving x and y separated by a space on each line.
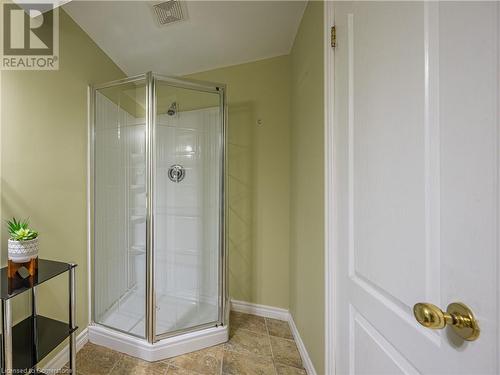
172 110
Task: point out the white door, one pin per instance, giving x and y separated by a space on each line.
416 159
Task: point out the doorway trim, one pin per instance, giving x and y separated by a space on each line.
330 248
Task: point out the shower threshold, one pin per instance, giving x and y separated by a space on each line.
162 349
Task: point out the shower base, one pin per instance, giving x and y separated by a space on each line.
163 349
173 314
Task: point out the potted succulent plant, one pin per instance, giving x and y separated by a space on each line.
23 241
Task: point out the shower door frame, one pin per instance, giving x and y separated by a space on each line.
150 80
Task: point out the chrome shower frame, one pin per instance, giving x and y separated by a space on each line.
223 296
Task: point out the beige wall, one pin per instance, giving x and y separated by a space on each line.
306 197
43 158
259 176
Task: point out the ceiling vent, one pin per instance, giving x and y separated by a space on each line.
169 12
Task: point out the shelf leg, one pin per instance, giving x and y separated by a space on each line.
7 336
35 322
72 319
33 301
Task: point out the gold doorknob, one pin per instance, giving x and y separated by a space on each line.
459 316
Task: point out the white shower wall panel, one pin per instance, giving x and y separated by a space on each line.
185 259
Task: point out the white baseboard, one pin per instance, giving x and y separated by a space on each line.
61 358
306 360
260 310
166 348
281 314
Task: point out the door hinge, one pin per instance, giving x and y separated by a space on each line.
333 37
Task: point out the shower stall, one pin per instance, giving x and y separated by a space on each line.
156 215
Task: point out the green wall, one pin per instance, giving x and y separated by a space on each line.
275 133
44 158
259 173
307 193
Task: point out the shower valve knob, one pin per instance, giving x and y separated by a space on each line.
176 173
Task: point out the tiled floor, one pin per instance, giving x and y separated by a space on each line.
257 346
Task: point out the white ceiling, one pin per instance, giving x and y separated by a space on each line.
216 33
43 5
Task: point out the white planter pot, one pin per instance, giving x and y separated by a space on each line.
23 251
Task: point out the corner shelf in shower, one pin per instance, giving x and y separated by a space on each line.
34 337
138 188
138 218
137 156
138 250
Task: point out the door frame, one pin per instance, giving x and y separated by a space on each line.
330 199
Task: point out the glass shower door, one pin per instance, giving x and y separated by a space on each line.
187 206
120 206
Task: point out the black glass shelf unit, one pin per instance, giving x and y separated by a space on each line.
32 339
47 269
35 337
